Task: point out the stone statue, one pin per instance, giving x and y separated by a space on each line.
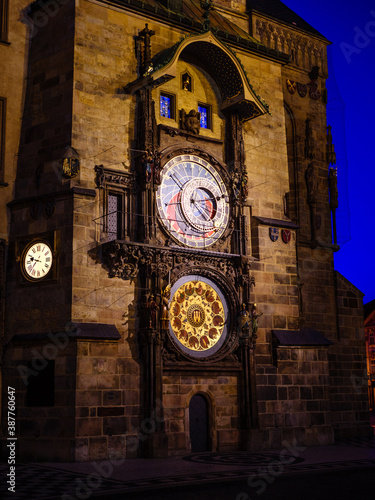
243 321
157 167
254 320
186 83
333 192
152 308
245 191
312 184
164 313
236 185
309 140
191 121
148 166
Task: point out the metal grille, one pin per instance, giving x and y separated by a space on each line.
114 216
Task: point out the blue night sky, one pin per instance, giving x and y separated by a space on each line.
350 26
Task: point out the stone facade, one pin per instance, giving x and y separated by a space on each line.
121 380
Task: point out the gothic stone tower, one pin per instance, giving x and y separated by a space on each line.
170 246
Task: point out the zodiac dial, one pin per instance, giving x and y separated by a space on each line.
193 201
198 316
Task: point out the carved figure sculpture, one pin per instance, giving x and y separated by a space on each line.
148 166
186 83
152 311
254 320
243 321
333 192
312 184
157 167
164 314
191 121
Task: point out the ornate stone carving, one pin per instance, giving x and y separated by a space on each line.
145 35
312 184
309 140
164 307
70 163
163 264
157 266
333 192
304 53
108 176
121 260
314 92
190 121
330 148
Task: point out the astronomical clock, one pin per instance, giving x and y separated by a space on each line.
189 244
193 202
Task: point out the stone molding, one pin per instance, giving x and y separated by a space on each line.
305 52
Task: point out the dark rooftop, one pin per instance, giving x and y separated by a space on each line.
278 10
369 308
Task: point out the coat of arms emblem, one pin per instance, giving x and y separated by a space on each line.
291 86
285 235
274 233
302 89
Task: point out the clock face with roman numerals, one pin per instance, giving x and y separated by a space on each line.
37 261
192 201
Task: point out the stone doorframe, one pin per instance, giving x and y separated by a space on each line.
212 434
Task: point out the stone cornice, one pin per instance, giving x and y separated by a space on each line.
65 193
305 49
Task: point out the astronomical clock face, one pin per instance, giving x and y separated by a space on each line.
198 316
193 201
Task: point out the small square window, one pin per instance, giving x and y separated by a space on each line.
205 112
167 105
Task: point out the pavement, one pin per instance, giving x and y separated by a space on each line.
120 479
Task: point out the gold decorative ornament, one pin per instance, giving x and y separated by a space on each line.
197 316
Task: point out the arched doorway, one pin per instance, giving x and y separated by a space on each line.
198 423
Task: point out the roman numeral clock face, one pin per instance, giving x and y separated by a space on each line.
192 201
37 261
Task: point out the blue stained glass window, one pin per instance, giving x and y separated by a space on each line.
165 106
203 110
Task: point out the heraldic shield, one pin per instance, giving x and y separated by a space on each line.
274 233
285 235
